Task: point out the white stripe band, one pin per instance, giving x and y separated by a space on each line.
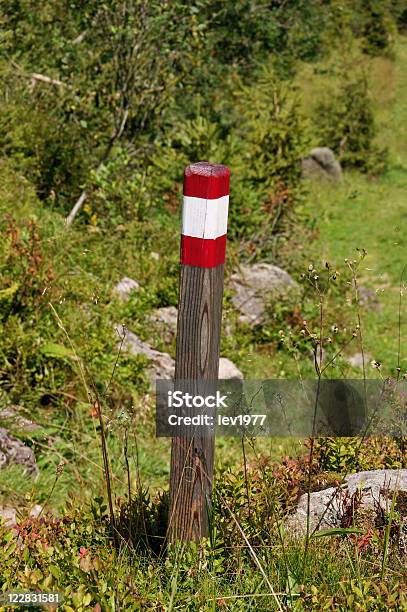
203 218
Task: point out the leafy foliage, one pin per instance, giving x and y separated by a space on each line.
345 122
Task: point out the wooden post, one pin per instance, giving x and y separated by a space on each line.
203 247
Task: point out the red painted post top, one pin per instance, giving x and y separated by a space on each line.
205 180
204 214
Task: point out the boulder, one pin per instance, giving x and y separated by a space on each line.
368 298
228 370
8 514
322 164
15 452
255 285
124 288
165 319
364 493
162 364
356 360
12 419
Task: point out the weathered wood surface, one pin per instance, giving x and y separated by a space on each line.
197 358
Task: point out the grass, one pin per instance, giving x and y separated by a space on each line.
370 213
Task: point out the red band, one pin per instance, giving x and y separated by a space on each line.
203 253
205 180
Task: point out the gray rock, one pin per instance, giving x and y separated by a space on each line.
368 298
227 369
8 516
12 419
374 481
162 364
36 511
322 164
14 452
356 360
328 507
124 287
166 321
254 285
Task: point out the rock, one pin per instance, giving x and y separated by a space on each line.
36 511
166 320
254 285
322 164
11 418
8 516
356 360
227 369
330 506
162 364
124 287
368 298
14 452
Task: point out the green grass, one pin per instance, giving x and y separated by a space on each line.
371 213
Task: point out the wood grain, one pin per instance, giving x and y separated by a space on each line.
197 358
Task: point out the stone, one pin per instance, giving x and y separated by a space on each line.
254 285
15 452
162 364
356 360
12 419
328 507
322 164
165 319
8 516
124 287
368 298
36 511
228 370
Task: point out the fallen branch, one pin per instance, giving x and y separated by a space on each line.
35 76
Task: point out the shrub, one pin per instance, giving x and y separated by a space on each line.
345 455
345 122
378 29
272 137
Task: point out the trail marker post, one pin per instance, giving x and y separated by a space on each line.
203 249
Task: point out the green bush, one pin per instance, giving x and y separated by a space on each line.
345 121
266 145
346 455
379 28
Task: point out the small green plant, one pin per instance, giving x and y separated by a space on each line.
344 455
378 29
